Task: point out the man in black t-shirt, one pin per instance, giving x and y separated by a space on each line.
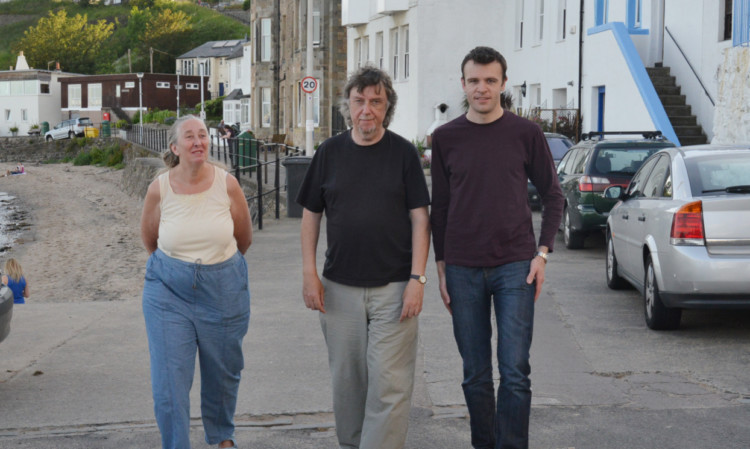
369 183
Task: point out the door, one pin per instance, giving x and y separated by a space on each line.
600 115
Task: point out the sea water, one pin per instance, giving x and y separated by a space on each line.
11 222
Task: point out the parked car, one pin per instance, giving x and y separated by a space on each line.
592 165
558 145
680 232
69 129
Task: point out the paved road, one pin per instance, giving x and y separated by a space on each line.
76 375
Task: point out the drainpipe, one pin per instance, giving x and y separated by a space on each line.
277 66
580 69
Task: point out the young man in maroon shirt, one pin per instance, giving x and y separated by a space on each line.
485 247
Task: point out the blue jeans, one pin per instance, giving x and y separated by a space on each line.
190 307
505 423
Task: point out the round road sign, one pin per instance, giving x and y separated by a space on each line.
309 84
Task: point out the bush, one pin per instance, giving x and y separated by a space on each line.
246 5
110 156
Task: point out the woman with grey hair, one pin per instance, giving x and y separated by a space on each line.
196 227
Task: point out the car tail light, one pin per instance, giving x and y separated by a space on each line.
687 225
592 184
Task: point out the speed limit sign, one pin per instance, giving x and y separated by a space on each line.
309 84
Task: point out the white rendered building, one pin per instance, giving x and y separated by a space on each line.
237 103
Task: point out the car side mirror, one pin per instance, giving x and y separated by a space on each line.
614 193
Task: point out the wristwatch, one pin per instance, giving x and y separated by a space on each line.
420 278
543 255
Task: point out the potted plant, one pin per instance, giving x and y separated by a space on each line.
34 130
14 130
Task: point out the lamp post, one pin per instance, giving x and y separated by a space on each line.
178 87
202 68
140 104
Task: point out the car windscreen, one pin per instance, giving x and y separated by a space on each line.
620 161
558 147
721 173
85 121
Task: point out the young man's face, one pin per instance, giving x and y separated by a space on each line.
483 84
368 109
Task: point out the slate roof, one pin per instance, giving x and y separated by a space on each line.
214 49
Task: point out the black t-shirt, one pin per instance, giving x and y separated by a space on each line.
366 193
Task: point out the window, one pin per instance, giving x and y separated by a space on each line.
129 84
727 20
30 87
365 55
265 110
635 16
44 88
265 39
74 95
539 20
16 87
95 95
117 91
358 52
405 32
562 19
379 48
7 115
601 12
316 23
162 84
24 115
655 184
238 69
300 99
4 88
394 53
519 23
245 110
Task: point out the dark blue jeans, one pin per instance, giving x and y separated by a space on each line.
503 424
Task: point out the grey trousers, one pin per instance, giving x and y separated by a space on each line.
371 356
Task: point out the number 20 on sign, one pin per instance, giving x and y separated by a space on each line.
309 84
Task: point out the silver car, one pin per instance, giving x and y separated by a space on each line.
69 129
681 232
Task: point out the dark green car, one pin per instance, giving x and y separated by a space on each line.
592 165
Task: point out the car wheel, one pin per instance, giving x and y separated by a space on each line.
71 135
658 316
49 138
614 281
572 239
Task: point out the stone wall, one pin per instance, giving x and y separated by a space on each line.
732 112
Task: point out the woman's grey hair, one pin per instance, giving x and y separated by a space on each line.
170 159
365 77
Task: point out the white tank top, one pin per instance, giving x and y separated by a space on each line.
197 227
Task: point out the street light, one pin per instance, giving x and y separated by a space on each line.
140 103
178 87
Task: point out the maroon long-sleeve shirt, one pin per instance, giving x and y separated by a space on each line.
480 212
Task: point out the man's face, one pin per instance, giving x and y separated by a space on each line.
483 84
368 109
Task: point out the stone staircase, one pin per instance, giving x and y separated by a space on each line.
684 123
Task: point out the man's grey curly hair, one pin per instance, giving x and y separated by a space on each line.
365 77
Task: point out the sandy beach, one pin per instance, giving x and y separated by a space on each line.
82 242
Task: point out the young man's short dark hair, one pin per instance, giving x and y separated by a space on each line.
485 55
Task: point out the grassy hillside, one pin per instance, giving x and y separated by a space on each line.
18 15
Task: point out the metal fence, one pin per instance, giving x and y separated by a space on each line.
562 121
151 138
250 159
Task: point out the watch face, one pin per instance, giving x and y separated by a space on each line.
422 279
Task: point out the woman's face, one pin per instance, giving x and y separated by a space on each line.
192 142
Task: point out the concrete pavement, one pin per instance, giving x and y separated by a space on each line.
76 375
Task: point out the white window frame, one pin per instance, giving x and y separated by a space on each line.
265 107
162 84
4 88
357 52
539 35
405 40
265 39
519 24
316 106
7 115
24 115
379 48
365 51
562 19
316 23
95 95
74 96
192 86
394 53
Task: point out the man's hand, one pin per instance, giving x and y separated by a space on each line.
536 272
413 296
313 293
443 285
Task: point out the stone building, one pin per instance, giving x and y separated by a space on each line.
278 67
